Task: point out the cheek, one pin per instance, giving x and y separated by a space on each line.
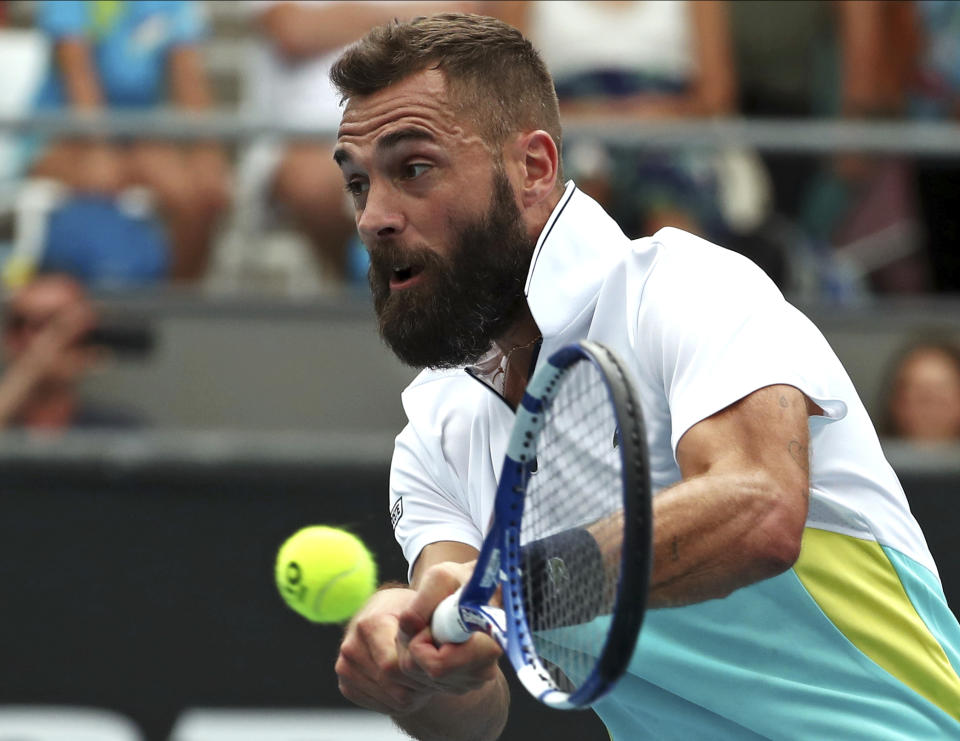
921 407
13 345
437 225
952 403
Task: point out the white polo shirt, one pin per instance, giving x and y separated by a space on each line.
700 327
855 641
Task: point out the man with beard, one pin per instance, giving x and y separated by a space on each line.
795 574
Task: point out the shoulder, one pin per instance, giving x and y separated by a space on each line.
437 386
687 269
696 256
438 402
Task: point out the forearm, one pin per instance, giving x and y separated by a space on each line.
716 533
79 74
475 716
15 388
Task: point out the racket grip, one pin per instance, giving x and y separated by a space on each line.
446 624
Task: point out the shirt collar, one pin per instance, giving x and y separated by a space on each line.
577 248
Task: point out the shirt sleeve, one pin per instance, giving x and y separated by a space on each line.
62 19
423 509
720 329
189 23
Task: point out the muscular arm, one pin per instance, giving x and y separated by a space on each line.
738 515
388 661
478 714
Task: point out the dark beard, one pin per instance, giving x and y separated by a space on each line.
464 301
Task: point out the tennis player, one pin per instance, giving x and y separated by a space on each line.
793 593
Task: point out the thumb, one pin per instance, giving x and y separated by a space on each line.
410 624
438 581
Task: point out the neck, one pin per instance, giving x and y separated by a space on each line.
523 332
518 346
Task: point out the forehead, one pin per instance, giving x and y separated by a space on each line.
930 358
420 101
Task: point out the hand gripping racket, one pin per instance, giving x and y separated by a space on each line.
570 544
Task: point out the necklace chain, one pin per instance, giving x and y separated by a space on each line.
505 361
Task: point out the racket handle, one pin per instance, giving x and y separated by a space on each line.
446 624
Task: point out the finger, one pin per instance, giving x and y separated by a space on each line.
438 582
478 656
376 648
456 667
359 697
379 641
364 681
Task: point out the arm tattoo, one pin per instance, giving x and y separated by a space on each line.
798 451
674 548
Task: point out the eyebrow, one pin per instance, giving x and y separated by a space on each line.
401 135
387 141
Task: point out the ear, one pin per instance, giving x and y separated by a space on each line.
538 160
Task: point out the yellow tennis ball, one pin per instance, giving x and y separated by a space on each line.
325 574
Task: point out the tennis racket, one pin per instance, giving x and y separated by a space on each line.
569 551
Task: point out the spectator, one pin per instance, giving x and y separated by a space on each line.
641 60
46 358
935 94
289 83
134 56
922 396
865 207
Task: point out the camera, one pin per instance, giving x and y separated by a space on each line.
126 338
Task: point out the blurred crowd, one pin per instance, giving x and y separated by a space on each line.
128 211
270 213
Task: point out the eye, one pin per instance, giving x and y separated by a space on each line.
357 188
414 170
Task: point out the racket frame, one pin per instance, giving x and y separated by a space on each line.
500 560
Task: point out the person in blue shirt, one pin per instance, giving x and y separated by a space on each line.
131 56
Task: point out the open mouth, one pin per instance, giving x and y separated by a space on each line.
403 276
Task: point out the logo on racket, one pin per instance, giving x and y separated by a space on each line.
557 573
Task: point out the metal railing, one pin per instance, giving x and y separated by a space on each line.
810 136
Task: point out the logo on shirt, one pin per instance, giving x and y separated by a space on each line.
396 513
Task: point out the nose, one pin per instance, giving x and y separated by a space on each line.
381 215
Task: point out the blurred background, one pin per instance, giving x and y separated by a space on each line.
190 368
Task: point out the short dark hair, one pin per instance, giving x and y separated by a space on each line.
492 71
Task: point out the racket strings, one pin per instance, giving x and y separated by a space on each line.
572 526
